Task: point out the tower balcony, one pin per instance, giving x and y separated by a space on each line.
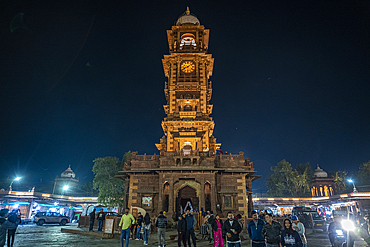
187 114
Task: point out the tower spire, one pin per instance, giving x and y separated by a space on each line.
187 11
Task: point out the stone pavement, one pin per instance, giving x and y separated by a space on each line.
321 239
53 236
153 239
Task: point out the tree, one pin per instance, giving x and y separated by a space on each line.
111 189
307 176
286 181
340 181
280 180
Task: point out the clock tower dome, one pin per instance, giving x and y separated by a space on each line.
188 125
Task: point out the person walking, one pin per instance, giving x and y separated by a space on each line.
217 225
255 231
271 230
181 231
101 218
92 219
232 230
210 218
299 227
125 225
140 219
191 222
161 223
4 226
13 217
289 236
146 227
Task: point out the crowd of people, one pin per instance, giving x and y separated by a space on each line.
269 233
265 232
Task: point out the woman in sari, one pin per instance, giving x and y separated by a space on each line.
217 224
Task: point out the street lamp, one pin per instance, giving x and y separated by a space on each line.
354 187
16 179
65 188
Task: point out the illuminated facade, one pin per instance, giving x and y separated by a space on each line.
188 125
321 184
189 173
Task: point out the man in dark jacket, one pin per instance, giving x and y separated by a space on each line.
92 219
4 226
232 230
190 223
13 217
161 223
181 230
101 218
139 221
271 230
255 231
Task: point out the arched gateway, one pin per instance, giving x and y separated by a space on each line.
189 171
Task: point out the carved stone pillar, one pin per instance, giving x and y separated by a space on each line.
170 199
202 196
125 198
249 194
213 194
160 194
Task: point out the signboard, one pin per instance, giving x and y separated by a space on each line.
108 226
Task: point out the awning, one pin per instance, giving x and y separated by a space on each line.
14 203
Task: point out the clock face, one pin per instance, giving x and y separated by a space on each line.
187 67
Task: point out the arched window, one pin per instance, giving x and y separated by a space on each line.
207 193
188 108
187 41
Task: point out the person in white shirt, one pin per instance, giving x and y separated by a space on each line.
299 227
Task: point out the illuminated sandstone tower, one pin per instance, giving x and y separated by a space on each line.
188 173
188 125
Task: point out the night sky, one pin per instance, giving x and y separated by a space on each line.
84 79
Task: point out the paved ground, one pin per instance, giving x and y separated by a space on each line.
51 235
318 239
321 239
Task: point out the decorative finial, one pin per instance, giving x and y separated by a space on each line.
187 11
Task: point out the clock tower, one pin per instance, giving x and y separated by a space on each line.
188 125
188 173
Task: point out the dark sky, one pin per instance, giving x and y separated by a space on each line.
84 79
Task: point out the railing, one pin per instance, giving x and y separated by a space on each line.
145 157
183 153
188 113
229 157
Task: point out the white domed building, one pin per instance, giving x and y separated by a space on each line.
67 178
321 184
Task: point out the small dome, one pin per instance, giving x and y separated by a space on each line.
68 173
320 173
187 19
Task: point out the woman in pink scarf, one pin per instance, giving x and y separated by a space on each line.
218 240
